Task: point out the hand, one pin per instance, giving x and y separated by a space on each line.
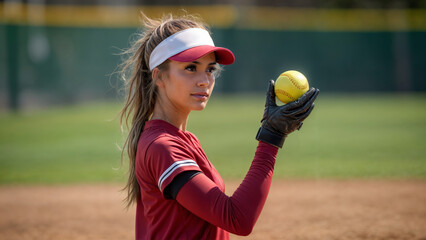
279 121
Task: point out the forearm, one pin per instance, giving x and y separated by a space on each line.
238 213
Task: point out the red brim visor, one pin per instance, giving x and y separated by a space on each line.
223 55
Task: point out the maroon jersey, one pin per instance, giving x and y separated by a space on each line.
201 210
163 152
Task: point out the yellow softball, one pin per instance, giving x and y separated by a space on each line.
290 86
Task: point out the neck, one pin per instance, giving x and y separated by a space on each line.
170 115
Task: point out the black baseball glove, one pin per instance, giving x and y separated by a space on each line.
279 121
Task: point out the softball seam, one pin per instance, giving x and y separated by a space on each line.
280 91
301 87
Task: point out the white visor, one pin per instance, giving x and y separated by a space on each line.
178 42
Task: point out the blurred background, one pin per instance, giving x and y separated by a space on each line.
356 170
64 52
60 93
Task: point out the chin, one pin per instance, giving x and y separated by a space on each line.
200 107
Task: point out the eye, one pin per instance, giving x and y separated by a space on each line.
191 68
211 69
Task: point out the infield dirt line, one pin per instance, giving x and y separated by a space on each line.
295 209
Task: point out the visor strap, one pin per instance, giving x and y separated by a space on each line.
179 42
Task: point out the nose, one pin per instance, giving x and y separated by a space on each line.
204 80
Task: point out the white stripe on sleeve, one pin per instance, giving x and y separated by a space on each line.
173 168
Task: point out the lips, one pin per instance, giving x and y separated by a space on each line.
200 95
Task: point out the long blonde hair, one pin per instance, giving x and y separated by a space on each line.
140 87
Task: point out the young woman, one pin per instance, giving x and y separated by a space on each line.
177 191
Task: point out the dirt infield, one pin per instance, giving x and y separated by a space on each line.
295 209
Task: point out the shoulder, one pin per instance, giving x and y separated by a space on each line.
164 145
163 155
192 136
155 137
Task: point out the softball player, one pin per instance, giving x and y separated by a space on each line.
177 191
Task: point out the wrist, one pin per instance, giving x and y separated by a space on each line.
271 137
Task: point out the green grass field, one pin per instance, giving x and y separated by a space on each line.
351 136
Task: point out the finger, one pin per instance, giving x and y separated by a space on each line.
270 95
308 98
313 97
305 97
305 106
306 114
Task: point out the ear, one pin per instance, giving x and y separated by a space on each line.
157 77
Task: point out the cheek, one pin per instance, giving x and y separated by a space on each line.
212 82
175 80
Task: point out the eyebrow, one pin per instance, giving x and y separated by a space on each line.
212 63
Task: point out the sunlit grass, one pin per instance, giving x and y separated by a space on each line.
368 136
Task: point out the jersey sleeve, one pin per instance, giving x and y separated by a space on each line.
237 213
166 158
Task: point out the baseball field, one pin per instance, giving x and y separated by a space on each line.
356 170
